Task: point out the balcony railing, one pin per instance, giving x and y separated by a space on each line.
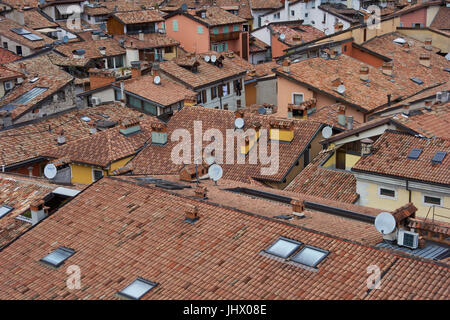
225 36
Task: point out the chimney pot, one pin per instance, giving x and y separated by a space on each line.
298 207
61 138
201 192
191 213
38 211
387 68
425 60
366 146
364 73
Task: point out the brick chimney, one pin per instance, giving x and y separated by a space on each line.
201 192
425 60
286 63
92 127
102 50
364 73
135 69
428 44
191 214
100 78
61 139
38 211
298 207
282 130
387 68
338 27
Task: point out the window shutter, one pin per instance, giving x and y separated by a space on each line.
204 96
220 91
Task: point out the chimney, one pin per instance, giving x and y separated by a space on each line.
135 69
341 116
285 64
387 68
298 207
100 78
201 192
102 50
336 83
191 214
338 27
425 60
61 138
282 130
141 36
350 123
159 133
364 73
5 118
92 127
239 114
428 44
156 70
38 211
366 147
406 109
23 68
129 126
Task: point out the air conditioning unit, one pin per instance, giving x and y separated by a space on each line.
408 239
96 101
9 85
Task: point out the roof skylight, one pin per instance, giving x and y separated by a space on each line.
4 210
414 154
310 256
137 289
283 247
439 157
30 95
57 257
416 80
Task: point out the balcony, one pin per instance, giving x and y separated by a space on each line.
225 36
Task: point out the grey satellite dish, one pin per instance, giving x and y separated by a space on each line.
50 171
207 58
341 89
213 58
157 80
385 223
65 39
262 110
215 172
239 123
282 36
327 132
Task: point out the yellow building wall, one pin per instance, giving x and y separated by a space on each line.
118 164
350 160
83 174
438 40
331 162
171 55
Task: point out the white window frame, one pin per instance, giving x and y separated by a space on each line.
93 175
387 197
431 204
297 93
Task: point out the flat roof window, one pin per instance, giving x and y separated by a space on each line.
4 210
438 157
417 80
137 289
26 97
310 256
283 247
57 257
414 154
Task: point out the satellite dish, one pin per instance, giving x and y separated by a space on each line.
215 172
262 110
341 89
207 58
50 171
239 123
213 58
327 132
157 80
400 40
65 39
282 36
385 223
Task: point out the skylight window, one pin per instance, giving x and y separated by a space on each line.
32 37
57 257
283 247
20 31
30 95
414 154
310 256
416 80
438 157
137 289
85 119
4 210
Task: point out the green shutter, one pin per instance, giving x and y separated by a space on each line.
216 30
199 29
226 46
175 25
225 29
236 28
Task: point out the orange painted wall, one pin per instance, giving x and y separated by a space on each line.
114 27
362 56
187 34
250 94
278 47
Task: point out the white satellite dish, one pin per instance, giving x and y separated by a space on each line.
239 123
213 58
50 171
341 89
215 172
282 36
385 223
327 132
207 58
157 80
400 40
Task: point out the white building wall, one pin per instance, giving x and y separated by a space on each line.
230 99
12 46
262 34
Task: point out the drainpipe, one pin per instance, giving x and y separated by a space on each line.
407 188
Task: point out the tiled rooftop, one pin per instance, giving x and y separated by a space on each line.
35 20
389 157
5 30
141 16
151 40
441 21
7 56
216 16
112 48
296 33
265 4
329 116
218 257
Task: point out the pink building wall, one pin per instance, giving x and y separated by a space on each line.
188 35
417 16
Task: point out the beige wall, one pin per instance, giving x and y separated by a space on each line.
439 40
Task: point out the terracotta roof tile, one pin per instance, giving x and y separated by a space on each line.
7 56
151 40
140 16
442 19
296 33
265 4
389 157
216 16
35 20
5 30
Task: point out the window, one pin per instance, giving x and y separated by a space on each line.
175 25
238 103
57 257
5 45
61 95
438 157
292 13
117 95
297 98
226 89
213 93
216 30
235 28
225 29
283 247
433 201
134 102
149 108
414 154
4 210
200 30
137 289
168 49
201 97
98 174
324 18
115 62
310 256
386 193
306 15
19 50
